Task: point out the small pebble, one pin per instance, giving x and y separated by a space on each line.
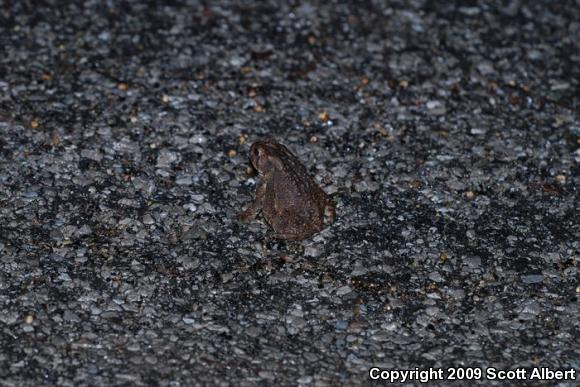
324 116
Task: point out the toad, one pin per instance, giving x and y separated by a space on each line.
290 201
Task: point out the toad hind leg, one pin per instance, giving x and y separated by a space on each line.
283 229
289 237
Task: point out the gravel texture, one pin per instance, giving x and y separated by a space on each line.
448 134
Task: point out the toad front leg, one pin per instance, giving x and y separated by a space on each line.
254 207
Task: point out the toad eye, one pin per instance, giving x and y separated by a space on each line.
255 152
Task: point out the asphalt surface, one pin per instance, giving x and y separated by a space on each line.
447 133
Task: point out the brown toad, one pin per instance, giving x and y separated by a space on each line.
290 200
